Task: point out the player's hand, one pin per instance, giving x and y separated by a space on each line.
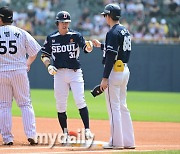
28 68
52 70
96 43
104 84
89 46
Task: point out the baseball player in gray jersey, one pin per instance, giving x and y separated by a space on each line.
15 43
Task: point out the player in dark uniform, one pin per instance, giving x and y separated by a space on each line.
117 50
63 46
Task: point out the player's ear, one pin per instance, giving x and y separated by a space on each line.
1 22
56 23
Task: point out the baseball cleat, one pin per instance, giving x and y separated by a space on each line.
88 134
65 139
9 143
108 146
129 147
118 148
32 141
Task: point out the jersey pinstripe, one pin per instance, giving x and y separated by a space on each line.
18 81
15 43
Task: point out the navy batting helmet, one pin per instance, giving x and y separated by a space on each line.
6 15
113 10
63 16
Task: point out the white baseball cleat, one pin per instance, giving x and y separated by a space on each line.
66 139
109 146
129 147
88 134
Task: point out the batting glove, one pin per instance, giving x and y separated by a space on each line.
52 70
89 46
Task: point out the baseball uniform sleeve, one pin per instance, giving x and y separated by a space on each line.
111 52
111 43
46 49
102 46
109 62
81 42
32 46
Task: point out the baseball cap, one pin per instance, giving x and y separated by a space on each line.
6 14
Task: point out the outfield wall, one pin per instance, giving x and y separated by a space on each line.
153 68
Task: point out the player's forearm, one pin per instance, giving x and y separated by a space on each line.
46 60
47 63
31 59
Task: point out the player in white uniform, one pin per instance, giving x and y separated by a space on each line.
15 43
117 50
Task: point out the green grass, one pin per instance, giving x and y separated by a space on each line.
144 106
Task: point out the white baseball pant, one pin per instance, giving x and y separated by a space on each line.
63 81
15 84
122 133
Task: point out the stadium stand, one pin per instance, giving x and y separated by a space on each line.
147 20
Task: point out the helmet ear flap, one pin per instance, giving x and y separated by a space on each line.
114 17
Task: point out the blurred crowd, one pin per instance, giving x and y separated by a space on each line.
35 16
145 19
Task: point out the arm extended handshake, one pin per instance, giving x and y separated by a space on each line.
90 44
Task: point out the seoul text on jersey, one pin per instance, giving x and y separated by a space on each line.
63 48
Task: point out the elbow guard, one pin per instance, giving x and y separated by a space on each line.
44 58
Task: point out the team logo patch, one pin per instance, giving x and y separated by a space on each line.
53 41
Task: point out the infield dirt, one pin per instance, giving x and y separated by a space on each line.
148 135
